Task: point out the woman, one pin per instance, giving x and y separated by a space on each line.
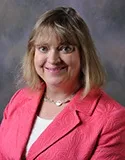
62 114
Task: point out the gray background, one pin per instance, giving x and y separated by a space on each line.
105 18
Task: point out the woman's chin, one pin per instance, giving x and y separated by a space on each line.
54 82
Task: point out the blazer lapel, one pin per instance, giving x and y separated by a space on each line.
62 124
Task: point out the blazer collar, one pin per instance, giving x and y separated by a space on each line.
87 104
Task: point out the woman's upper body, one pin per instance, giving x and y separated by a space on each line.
86 123
88 128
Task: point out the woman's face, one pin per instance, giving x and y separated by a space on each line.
56 62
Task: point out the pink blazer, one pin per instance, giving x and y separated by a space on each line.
92 128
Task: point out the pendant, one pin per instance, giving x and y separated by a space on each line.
58 103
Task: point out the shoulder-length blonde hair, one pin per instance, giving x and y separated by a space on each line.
70 27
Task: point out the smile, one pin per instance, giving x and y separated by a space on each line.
55 70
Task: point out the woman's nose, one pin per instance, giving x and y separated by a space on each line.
53 57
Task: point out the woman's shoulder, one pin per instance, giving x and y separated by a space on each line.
20 97
25 94
113 115
108 106
110 103
21 94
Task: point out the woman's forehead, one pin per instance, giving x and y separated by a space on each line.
47 35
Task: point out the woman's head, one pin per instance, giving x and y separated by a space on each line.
72 29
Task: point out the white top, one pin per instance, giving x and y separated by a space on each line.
39 126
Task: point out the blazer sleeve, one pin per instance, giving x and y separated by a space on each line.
6 114
1 128
111 144
8 109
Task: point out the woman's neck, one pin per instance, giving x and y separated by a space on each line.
61 93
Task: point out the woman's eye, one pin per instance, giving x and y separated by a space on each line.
67 48
43 49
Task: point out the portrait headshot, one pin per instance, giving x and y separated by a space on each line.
62 80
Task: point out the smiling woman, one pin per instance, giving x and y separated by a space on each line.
62 113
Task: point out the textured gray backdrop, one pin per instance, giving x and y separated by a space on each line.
105 18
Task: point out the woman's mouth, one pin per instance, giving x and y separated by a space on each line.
55 69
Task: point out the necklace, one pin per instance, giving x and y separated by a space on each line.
58 103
